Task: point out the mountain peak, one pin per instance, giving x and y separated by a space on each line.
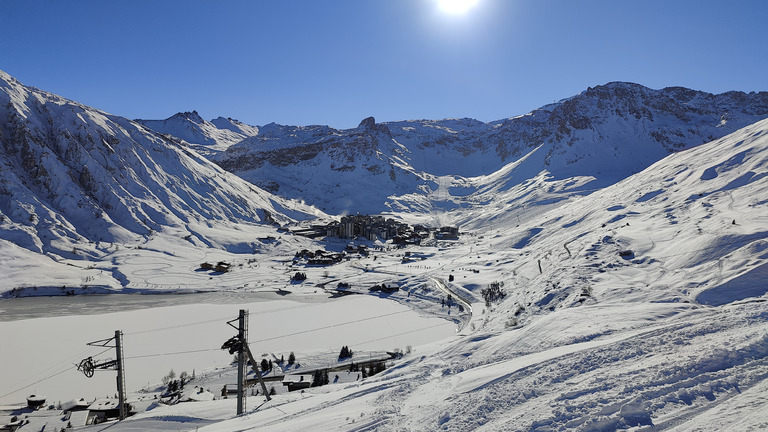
234 125
5 77
192 116
367 123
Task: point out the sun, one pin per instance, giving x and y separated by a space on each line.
456 6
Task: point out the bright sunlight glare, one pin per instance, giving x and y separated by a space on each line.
456 6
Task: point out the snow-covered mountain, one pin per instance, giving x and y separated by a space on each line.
639 307
604 134
338 171
634 296
72 175
204 136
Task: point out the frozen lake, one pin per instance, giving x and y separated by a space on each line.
43 338
45 307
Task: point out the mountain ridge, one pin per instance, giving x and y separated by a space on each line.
73 174
634 124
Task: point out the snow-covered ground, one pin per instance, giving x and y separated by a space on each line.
189 337
642 305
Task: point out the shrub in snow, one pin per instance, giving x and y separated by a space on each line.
345 353
493 293
168 378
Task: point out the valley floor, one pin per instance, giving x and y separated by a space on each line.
675 367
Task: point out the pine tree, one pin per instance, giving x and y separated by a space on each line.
317 378
291 358
345 353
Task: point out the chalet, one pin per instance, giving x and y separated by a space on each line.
37 420
384 288
103 410
75 405
222 267
319 257
35 402
76 418
297 382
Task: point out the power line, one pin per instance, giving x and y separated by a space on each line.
298 333
172 353
206 321
330 326
54 374
177 326
38 381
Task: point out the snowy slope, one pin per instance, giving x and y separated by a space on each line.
74 179
607 133
204 136
338 171
639 307
587 338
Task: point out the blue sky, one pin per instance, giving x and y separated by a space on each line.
337 61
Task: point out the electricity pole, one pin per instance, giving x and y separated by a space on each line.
87 366
120 373
239 344
242 333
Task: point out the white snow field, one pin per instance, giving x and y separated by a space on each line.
638 306
189 337
671 337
